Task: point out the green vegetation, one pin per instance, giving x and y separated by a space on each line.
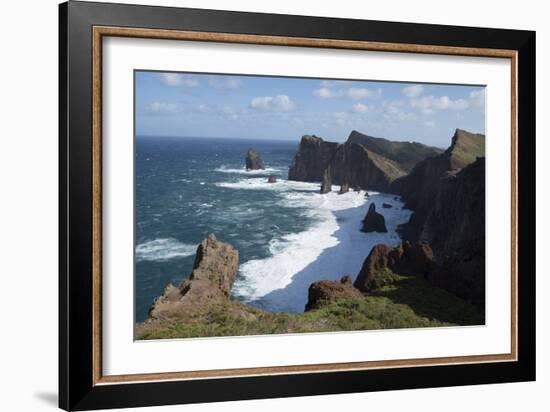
408 302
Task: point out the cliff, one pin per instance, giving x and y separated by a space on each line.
201 305
362 161
421 187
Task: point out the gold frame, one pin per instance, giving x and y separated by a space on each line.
101 31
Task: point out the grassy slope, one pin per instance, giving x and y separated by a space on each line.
407 303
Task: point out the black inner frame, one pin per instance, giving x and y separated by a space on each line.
76 388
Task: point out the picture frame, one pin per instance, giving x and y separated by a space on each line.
82 383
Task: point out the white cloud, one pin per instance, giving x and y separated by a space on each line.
413 91
178 79
162 108
325 92
360 108
341 118
430 123
477 98
280 103
430 104
394 110
330 89
226 83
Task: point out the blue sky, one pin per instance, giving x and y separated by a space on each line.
256 107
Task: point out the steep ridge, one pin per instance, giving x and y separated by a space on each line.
405 154
421 186
362 162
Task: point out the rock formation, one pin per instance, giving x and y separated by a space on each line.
362 161
311 159
272 179
326 291
211 280
344 188
419 189
253 160
374 221
385 262
386 206
326 184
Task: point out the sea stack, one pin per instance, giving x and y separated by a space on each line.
272 179
326 185
253 160
374 221
344 188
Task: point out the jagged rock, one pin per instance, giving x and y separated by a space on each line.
326 185
384 263
253 160
272 179
374 221
386 206
211 280
311 159
419 189
362 160
460 205
326 291
344 188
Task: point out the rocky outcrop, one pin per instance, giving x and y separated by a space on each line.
386 206
460 205
419 189
362 161
253 160
374 221
311 160
325 291
211 280
384 263
405 154
326 184
344 188
272 179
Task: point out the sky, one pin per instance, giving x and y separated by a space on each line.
265 107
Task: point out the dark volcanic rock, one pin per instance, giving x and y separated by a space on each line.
326 184
253 160
272 179
460 205
344 188
374 221
362 161
211 280
326 291
386 206
405 154
419 189
384 263
311 159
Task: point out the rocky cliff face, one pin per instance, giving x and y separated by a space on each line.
385 262
311 159
419 188
405 154
211 280
460 205
253 160
363 161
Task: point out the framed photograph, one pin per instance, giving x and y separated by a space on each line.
257 205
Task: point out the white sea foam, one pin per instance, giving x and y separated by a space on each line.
267 170
331 248
260 183
163 249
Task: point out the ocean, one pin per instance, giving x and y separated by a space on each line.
287 234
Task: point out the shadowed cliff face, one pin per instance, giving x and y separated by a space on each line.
363 161
421 187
